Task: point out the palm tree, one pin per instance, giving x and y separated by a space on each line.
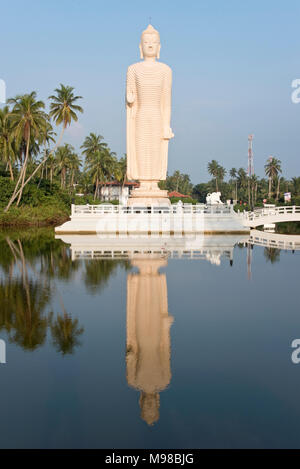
6 147
91 144
74 167
214 170
296 185
95 169
101 166
28 120
63 110
221 173
253 184
63 156
234 174
242 178
121 172
272 169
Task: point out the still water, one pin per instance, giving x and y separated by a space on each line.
148 344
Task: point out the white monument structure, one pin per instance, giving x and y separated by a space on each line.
148 210
148 105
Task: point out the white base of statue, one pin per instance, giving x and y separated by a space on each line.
148 194
167 220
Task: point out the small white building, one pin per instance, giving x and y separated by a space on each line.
115 190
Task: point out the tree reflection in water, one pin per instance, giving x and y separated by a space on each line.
30 263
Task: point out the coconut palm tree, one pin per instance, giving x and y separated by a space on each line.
214 170
6 142
63 108
121 170
94 167
63 157
63 111
253 185
272 169
28 121
101 166
91 144
74 167
234 174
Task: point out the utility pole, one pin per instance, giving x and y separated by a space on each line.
250 156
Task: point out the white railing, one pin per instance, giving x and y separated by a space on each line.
103 209
272 212
275 240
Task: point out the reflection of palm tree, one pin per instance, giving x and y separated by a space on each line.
22 303
65 332
57 262
23 299
99 271
272 255
21 312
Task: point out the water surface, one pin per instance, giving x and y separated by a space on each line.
154 348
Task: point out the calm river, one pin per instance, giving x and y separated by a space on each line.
142 343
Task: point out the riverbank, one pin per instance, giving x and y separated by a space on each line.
27 216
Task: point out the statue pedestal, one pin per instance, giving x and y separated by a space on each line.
148 194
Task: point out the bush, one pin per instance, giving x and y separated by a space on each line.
184 200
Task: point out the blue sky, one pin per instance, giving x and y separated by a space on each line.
233 64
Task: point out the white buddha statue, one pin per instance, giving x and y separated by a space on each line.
148 104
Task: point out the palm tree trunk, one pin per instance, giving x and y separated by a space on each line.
217 185
36 169
270 186
24 169
10 170
96 189
278 189
16 193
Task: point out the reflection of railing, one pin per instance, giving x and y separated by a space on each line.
274 240
103 209
272 215
196 254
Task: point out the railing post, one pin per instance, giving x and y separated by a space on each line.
72 209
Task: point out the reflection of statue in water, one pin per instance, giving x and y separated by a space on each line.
148 335
148 104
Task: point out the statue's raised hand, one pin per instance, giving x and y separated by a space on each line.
130 97
168 134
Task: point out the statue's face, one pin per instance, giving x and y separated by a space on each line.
150 45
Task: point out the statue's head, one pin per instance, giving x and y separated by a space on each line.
150 43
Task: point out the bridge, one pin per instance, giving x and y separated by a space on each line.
274 240
266 216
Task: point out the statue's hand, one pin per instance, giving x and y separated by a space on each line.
168 134
130 97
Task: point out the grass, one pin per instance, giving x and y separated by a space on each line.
26 216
